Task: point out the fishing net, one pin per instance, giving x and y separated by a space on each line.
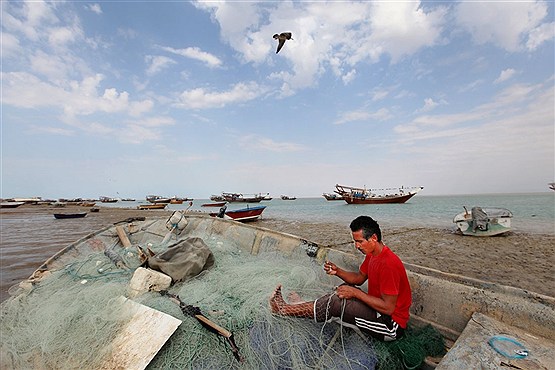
70 317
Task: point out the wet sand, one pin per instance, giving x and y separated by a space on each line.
30 235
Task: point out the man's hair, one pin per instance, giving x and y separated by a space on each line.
368 226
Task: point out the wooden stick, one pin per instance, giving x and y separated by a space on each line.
123 236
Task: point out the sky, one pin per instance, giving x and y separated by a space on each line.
127 99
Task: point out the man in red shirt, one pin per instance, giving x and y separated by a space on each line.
382 312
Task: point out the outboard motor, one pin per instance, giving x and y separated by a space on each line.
221 214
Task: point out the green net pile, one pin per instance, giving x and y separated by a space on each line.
70 318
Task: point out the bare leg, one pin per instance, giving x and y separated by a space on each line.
279 306
294 298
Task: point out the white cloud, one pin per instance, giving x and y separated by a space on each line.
157 63
95 8
200 98
260 143
505 24
334 35
540 34
362 115
429 104
197 54
505 75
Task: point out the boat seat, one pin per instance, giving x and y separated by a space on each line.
473 351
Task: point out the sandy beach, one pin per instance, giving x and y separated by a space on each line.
30 235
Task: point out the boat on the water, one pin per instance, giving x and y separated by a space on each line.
551 185
214 204
73 303
287 197
152 206
70 215
487 221
354 195
246 214
11 204
158 199
242 198
332 196
105 199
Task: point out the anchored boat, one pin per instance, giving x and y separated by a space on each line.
354 195
73 306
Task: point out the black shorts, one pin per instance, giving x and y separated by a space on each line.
354 313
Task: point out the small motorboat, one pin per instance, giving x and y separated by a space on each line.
244 214
484 221
70 215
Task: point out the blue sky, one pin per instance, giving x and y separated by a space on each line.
189 98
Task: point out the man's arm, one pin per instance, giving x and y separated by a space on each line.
350 277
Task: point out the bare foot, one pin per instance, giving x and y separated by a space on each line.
276 300
294 298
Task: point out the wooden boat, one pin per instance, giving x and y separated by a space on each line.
86 204
483 221
158 199
286 197
11 204
353 195
152 206
242 198
332 196
178 200
551 185
128 199
217 198
467 312
243 214
104 199
266 196
70 215
215 204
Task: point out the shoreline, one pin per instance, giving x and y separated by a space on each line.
31 235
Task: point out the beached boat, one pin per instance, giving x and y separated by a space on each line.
483 221
86 204
287 197
11 204
152 206
70 215
246 214
215 204
332 196
241 198
353 195
71 304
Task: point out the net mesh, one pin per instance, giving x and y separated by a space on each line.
70 317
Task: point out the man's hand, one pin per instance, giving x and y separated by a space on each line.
330 268
348 292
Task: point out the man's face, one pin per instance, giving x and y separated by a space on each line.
365 246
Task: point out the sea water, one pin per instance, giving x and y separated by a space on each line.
532 213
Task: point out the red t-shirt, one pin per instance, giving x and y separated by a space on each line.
387 275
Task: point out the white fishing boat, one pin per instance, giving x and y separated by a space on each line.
480 221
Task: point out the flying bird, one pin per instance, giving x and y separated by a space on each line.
282 37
